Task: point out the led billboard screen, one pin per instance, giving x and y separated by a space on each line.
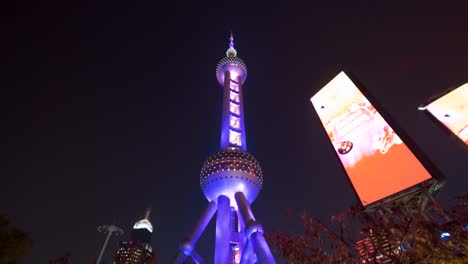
452 111
376 160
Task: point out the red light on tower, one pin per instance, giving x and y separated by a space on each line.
236 259
236 256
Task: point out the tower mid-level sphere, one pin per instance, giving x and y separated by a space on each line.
229 171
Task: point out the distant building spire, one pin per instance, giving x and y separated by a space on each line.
137 249
144 223
148 212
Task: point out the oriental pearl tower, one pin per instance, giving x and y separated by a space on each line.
231 180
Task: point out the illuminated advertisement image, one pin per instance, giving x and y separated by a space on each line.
452 111
377 162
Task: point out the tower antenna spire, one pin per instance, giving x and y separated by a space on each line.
231 39
231 52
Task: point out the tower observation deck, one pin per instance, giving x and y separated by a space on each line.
231 180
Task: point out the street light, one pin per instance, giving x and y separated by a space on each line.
109 229
445 235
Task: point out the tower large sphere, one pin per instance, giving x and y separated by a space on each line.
235 65
229 171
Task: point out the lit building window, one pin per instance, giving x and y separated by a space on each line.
234 97
234 87
235 138
234 122
234 108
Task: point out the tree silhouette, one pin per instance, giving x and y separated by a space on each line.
385 235
14 243
61 260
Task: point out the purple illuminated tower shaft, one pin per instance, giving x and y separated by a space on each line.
231 180
232 122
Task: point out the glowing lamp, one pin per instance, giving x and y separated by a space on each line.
445 235
143 224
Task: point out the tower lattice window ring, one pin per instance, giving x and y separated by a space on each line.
235 160
233 61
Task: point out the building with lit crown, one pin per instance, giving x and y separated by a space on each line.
231 180
137 249
376 248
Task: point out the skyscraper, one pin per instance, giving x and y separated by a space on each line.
376 247
137 249
231 180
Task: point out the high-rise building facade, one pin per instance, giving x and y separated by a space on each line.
137 249
231 180
377 248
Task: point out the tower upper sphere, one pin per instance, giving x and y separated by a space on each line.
235 65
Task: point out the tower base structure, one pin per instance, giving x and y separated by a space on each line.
245 244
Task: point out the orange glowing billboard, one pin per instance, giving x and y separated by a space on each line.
452 111
377 162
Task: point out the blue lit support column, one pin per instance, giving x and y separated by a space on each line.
254 231
241 228
197 258
247 253
260 246
223 231
188 246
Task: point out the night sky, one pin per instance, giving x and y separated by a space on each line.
109 108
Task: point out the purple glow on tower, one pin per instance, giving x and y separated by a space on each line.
235 120
232 178
231 43
231 73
